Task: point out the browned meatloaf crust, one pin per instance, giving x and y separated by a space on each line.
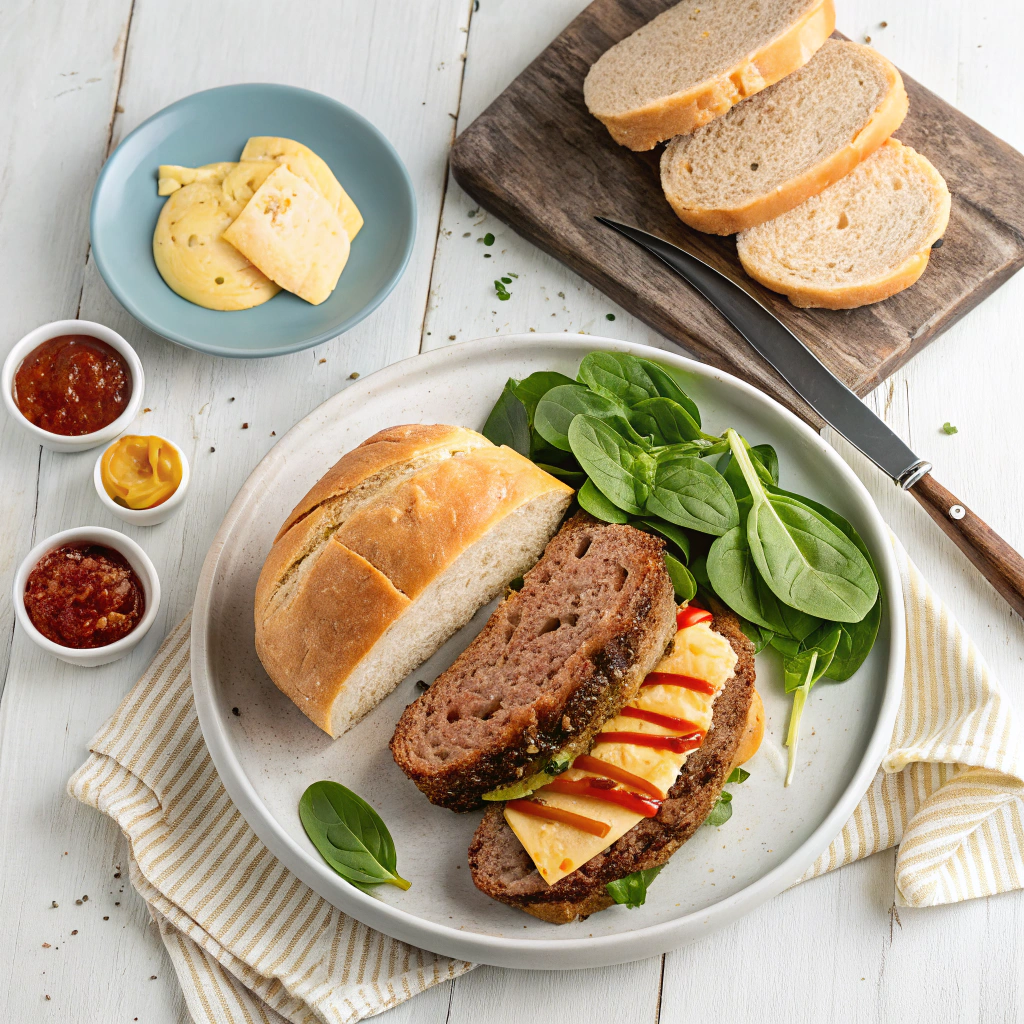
503 869
555 661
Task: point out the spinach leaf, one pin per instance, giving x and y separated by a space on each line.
509 422
350 835
562 404
631 891
765 461
757 635
699 570
593 501
617 375
675 534
738 775
684 584
801 672
666 387
722 811
855 642
620 470
689 492
665 421
530 390
807 562
573 477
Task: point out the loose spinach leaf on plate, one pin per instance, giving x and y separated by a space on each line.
509 422
682 581
666 387
665 421
530 390
573 477
561 405
807 562
350 835
617 375
722 811
765 461
689 492
757 635
631 891
622 471
593 501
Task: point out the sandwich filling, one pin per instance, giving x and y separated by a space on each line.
635 759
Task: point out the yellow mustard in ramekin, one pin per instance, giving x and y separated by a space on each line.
141 471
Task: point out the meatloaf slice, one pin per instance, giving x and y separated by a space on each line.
554 662
502 868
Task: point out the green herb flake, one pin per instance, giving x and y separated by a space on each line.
631 891
609 316
948 428
501 291
350 835
506 280
510 274
488 239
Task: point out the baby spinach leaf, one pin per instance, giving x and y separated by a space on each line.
350 835
631 891
684 584
667 422
593 501
765 462
757 635
855 642
561 405
573 477
689 492
786 645
621 471
722 811
617 375
801 672
699 571
675 534
530 390
807 562
666 387
738 775
509 422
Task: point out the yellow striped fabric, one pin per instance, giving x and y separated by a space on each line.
248 940
950 792
251 943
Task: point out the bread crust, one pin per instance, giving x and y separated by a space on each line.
329 591
885 285
885 119
650 842
644 127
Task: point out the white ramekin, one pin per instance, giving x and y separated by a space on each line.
79 442
144 516
139 561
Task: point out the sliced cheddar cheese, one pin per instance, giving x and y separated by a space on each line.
293 235
557 849
268 147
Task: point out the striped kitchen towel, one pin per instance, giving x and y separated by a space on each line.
250 942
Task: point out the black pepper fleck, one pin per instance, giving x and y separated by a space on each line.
212 449
236 712
74 931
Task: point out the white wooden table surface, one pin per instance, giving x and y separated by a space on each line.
74 79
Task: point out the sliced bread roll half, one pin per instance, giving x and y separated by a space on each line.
696 60
786 144
388 555
864 238
555 661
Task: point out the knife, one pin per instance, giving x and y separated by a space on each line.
835 403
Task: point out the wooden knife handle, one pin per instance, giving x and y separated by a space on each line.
1000 564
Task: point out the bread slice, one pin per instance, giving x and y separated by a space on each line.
388 555
696 60
503 870
555 661
864 238
787 143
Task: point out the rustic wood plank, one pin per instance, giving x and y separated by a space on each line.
539 161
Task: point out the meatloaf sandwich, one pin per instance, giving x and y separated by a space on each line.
557 660
650 780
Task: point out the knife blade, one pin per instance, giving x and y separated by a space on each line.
838 406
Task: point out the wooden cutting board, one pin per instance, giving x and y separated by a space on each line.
538 160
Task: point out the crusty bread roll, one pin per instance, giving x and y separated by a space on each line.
391 551
695 61
787 143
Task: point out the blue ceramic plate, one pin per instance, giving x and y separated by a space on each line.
214 125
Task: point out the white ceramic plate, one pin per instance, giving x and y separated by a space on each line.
270 753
